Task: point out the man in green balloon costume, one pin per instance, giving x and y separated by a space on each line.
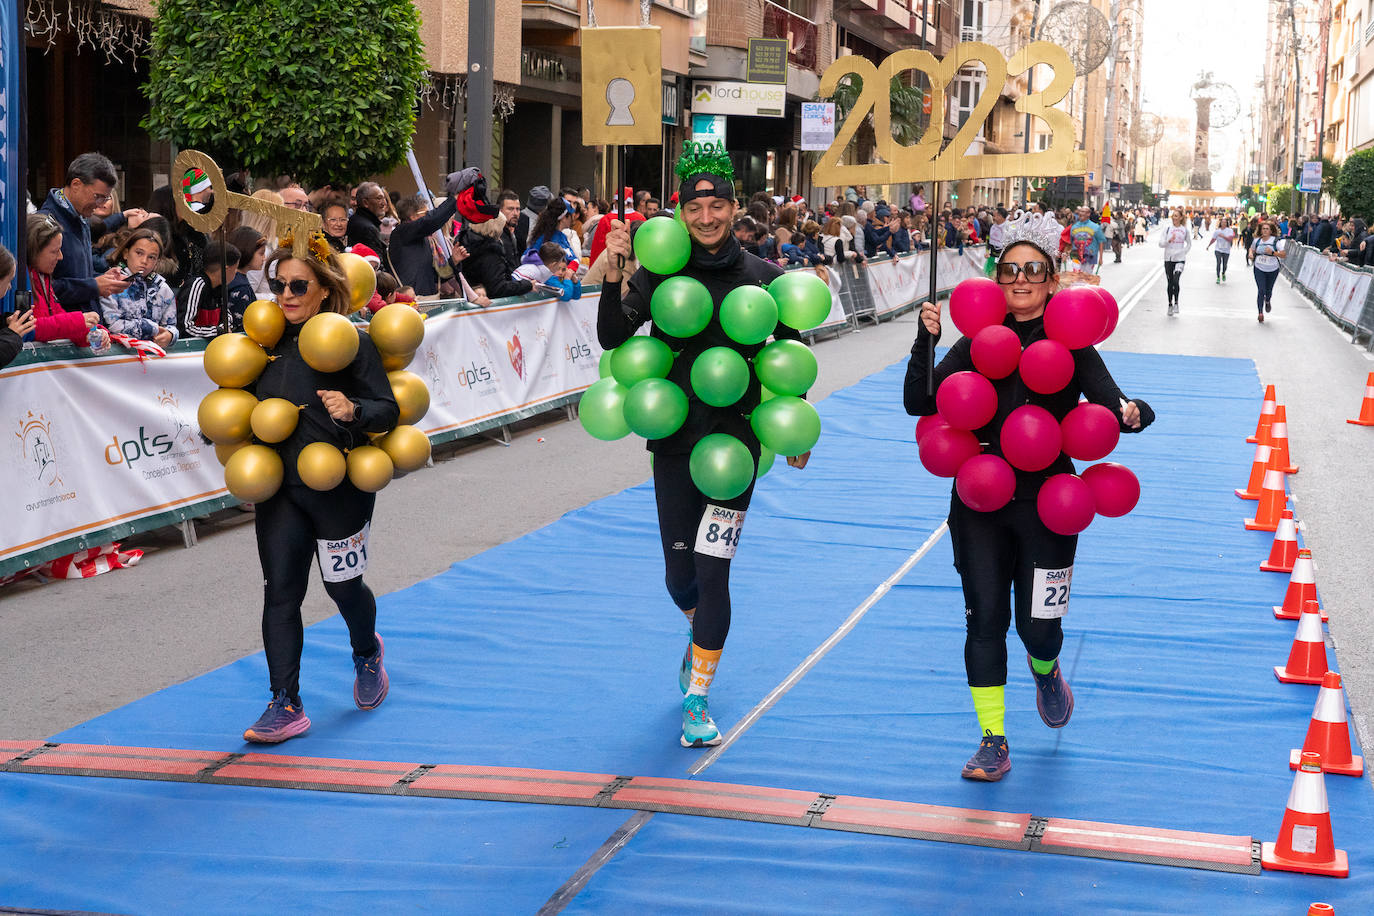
691 388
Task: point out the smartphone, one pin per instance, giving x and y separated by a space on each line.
23 301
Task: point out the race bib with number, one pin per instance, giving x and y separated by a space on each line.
718 535
1050 593
344 559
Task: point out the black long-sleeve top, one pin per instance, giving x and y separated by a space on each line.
363 380
1090 379
729 268
10 343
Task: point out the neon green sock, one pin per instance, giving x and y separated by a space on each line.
1042 667
990 705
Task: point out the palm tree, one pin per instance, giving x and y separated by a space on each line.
908 117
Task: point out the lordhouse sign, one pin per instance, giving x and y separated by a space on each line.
731 98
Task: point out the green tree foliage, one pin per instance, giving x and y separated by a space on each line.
324 92
1355 186
1280 199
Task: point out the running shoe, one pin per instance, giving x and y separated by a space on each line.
1268 306
284 718
1261 317
1218 278
371 683
698 728
684 671
1053 697
1223 278
991 761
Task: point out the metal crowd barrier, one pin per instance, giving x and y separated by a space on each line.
1343 292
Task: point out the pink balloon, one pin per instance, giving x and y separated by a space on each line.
1115 488
996 350
966 400
1075 317
1090 432
1046 366
1030 438
926 424
976 303
985 483
944 449
1113 312
1065 504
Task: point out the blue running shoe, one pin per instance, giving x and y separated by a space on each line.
698 728
1053 698
684 673
282 719
992 760
371 684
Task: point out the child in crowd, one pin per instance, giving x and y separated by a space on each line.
200 300
553 271
147 308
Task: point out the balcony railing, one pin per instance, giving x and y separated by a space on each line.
800 32
969 33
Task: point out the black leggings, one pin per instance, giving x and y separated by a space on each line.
1265 280
1172 271
694 580
1222 258
288 526
994 552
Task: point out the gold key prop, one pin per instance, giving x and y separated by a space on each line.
298 224
925 160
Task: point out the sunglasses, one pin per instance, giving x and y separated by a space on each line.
1034 271
297 287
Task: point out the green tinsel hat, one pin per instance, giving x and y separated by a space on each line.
709 161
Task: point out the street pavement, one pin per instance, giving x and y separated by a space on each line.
76 649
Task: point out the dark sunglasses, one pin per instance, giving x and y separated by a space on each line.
297 287
1035 272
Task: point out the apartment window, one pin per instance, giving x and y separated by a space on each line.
971 25
968 89
1042 142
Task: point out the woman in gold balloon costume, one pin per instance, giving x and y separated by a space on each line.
330 382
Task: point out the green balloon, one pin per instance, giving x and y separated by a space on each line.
787 425
748 314
803 299
604 366
639 358
766 458
786 367
766 395
655 408
602 410
662 245
721 466
720 376
681 307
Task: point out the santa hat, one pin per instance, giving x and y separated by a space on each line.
469 190
367 254
798 199
194 181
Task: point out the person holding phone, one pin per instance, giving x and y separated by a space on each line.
53 322
147 308
18 324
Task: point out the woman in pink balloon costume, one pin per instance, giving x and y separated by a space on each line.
1005 421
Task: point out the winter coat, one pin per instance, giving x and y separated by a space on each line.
55 322
147 306
365 228
411 255
73 281
486 264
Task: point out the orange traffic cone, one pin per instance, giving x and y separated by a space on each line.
1305 843
1273 499
1329 735
1278 441
1307 658
1284 551
1302 588
1366 417
1266 417
1257 468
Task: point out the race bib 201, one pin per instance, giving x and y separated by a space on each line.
346 558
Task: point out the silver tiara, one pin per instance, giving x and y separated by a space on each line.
1040 229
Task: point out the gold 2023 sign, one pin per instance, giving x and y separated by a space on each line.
925 160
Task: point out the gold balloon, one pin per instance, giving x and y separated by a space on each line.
253 473
275 419
369 468
264 322
321 466
224 452
328 342
232 361
225 415
362 279
407 446
396 329
394 361
411 395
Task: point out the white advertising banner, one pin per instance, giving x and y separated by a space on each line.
95 444
734 98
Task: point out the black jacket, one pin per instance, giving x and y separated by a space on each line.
1321 235
10 344
486 266
727 269
411 256
1090 378
364 380
364 227
74 279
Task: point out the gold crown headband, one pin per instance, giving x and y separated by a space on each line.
318 245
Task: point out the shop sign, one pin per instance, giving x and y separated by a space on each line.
735 98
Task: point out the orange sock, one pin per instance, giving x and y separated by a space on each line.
704 663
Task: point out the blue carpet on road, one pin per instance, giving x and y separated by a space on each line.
560 651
